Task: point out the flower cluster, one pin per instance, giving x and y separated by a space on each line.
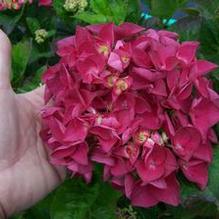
136 101
75 5
41 35
17 4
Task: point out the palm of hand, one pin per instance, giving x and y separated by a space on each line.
25 173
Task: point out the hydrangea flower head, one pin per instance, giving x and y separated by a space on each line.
138 102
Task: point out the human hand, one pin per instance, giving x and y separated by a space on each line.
26 175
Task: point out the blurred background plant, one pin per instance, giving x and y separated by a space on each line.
34 30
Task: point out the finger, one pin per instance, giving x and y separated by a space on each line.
35 97
5 60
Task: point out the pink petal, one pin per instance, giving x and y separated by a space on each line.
160 183
148 173
168 125
202 85
152 120
196 171
186 141
107 33
142 105
95 28
129 184
170 163
148 75
115 62
88 70
187 51
100 157
82 35
171 194
125 118
204 114
56 128
127 30
120 168
107 138
81 154
65 46
159 88
141 58
63 151
172 78
76 131
201 67
204 152
143 197
185 91
168 34
212 136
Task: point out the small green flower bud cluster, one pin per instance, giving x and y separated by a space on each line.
82 5
126 213
75 5
41 35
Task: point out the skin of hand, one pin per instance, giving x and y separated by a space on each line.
26 176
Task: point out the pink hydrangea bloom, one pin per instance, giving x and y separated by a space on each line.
136 101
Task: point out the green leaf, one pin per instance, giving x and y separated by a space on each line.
73 200
32 82
145 213
187 27
37 54
147 2
9 21
119 10
18 216
133 11
105 204
196 209
51 33
33 24
91 18
20 57
165 8
209 36
208 8
100 7
214 176
111 11
191 11
60 11
78 200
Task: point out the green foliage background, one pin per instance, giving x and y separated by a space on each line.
74 199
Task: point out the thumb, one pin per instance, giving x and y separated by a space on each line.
5 61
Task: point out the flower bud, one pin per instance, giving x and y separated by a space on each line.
75 5
141 137
41 35
82 5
